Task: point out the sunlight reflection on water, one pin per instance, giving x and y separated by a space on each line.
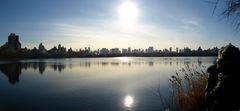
123 83
128 101
124 59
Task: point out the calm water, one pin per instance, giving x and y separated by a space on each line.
88 84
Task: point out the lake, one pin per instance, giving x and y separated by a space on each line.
89 84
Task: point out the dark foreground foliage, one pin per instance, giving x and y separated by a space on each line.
187 89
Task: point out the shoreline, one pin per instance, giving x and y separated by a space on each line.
28 58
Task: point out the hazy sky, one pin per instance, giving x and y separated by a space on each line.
115 23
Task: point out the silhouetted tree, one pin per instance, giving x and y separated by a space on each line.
231 10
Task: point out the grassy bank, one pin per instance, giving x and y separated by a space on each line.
187 89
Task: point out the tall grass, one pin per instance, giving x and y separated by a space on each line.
187 88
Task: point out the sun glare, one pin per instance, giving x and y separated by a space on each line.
124 59
128 12
128 101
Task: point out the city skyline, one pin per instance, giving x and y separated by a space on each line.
40 44
13 49
95 24
14 44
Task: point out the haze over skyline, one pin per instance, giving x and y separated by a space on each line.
115 23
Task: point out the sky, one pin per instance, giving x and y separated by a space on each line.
116 23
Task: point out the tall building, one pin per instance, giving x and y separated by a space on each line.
135 51
41 48
150 49
129 50
13 42
59 46
199 49
104 51
124 51
115 51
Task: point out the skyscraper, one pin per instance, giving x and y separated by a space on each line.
150 49
41 48
129 50
13 42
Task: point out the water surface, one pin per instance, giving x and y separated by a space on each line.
89 84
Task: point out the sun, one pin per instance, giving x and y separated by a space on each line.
128 12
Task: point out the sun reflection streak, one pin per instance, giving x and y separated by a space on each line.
124 59
128 101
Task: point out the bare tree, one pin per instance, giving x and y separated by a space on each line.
231 10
